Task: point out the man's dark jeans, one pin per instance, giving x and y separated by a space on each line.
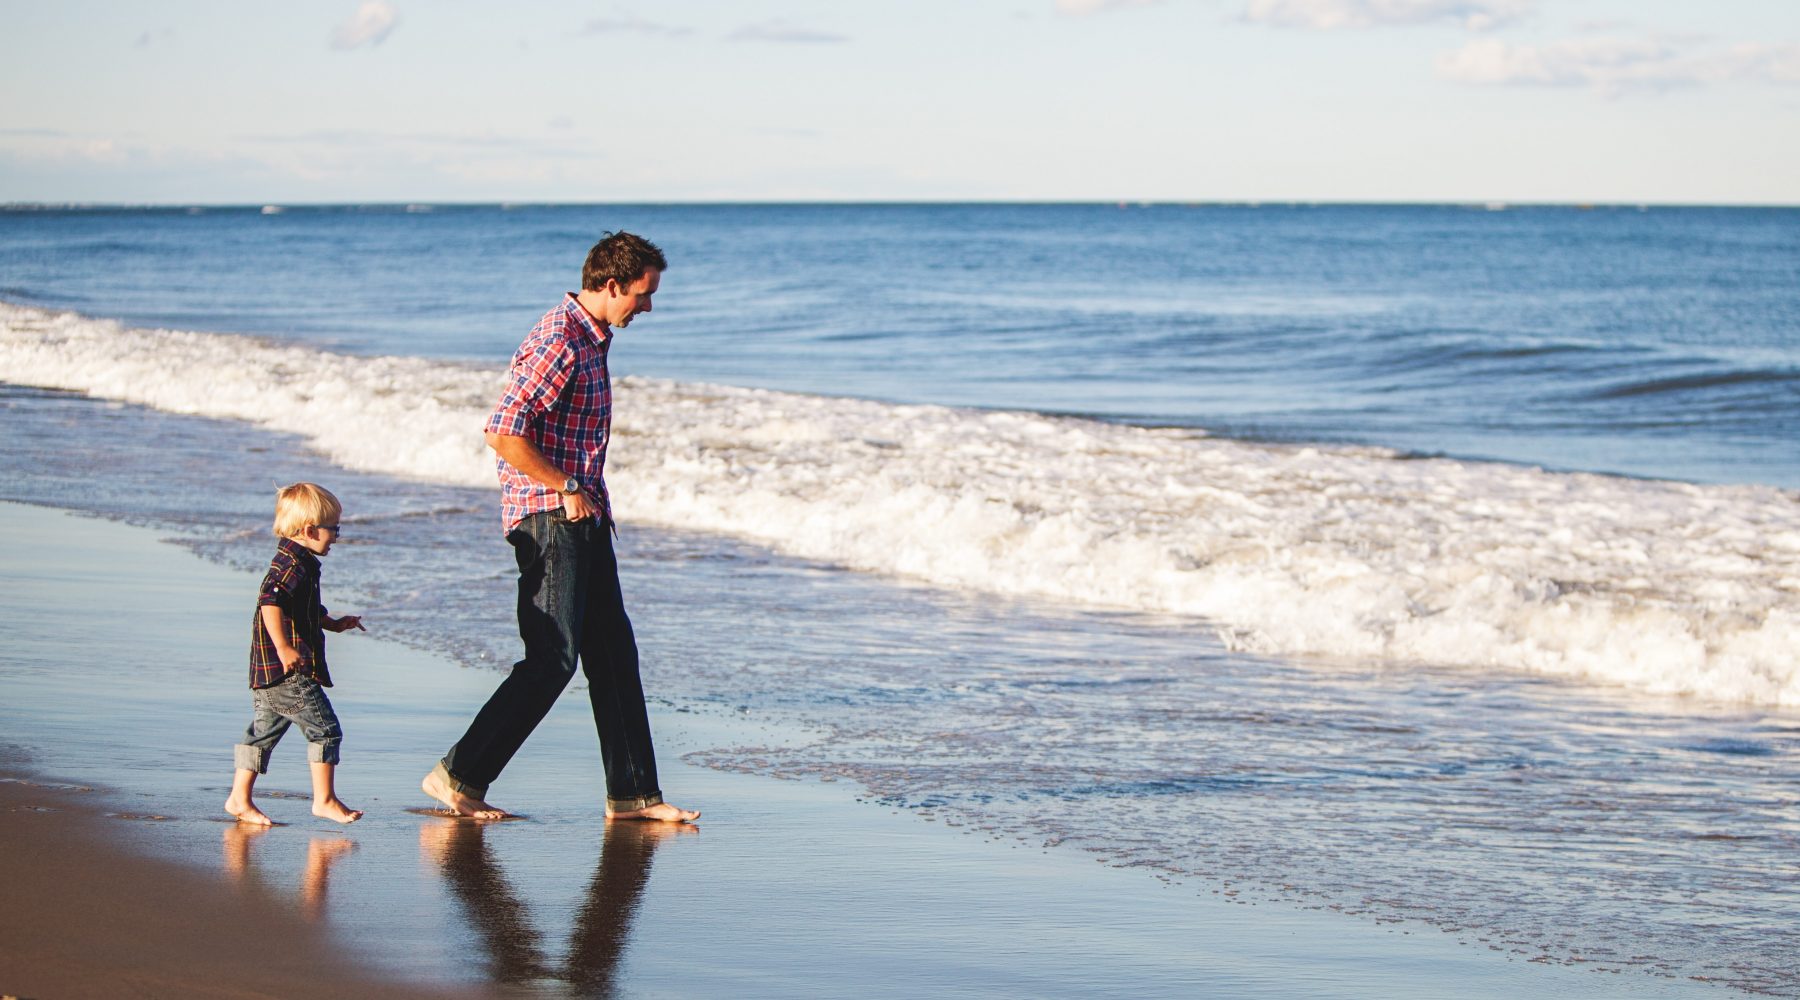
570 608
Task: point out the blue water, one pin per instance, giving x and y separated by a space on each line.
1661 342
1544 818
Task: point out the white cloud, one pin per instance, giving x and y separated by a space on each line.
1081 8
159 36
50 146
1614 65
1330 15
782 31
631 23
1603 25
370 25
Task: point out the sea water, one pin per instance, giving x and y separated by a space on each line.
1434 564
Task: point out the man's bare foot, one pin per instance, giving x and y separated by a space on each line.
246 812
662 811
335 809
435 786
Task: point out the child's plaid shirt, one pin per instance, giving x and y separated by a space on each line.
292 584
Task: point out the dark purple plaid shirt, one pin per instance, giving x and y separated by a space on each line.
559 398
292 584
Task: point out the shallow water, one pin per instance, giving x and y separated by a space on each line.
785 889
1552 821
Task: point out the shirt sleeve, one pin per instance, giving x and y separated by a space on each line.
540 371
278 586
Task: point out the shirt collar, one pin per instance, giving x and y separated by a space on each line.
298 551
595 328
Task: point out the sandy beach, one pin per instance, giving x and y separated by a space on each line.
88 918
122 691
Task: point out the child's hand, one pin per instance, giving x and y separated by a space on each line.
348 622
290 658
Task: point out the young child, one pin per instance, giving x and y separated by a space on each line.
287 656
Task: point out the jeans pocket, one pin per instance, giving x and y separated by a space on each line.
283 697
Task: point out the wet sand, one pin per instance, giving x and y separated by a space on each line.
123 672
84 918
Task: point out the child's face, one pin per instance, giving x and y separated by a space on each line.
318 538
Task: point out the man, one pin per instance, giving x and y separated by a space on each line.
550 432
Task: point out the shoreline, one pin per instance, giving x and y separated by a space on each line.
777 874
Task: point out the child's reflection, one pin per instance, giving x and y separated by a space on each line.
322 853
515 948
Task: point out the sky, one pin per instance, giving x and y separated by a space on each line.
225 102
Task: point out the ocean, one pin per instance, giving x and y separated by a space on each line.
1435 564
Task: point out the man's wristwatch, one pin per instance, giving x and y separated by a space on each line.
570 487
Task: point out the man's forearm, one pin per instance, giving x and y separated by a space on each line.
522 454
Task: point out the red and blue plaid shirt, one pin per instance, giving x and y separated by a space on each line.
560 398
292 584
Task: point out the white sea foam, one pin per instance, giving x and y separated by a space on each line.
1663 587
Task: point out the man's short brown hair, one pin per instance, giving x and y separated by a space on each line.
622 257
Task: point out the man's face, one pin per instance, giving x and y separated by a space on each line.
626 303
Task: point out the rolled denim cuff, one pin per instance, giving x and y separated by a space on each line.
322 753
459 785
249 758
634 803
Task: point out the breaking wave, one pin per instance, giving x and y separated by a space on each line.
1664 587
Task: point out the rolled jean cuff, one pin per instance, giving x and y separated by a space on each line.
249 758
322 753
460 786
634 803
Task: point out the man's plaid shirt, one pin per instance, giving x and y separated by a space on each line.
292 584
560 399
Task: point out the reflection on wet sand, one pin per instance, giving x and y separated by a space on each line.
515 949
315 877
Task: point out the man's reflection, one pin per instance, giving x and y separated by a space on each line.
515 948
604 924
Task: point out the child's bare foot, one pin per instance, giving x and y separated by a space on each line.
335 809
662 811
435 786
246 812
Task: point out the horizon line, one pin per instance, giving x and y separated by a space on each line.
1122 203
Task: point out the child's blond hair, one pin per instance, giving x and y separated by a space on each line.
303 505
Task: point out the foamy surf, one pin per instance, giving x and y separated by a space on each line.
1662 587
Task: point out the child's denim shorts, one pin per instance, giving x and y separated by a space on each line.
297 699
